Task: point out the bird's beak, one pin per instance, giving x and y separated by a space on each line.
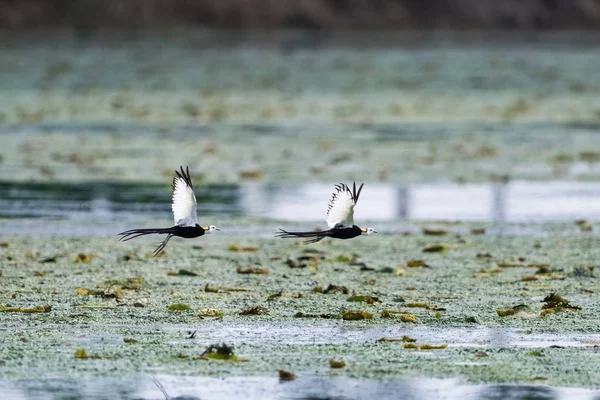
217 229
374 231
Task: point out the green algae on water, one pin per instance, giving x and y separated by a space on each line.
179 307
311 319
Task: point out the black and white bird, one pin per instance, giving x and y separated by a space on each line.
184 213
340 217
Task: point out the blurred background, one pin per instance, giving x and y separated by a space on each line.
447 110
304 14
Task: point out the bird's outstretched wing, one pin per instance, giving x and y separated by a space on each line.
184 200
340 212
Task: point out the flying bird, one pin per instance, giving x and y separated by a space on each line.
184 213
340 217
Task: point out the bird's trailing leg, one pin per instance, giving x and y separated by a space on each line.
162 245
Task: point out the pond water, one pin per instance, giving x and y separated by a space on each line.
305 387
102 208
85 116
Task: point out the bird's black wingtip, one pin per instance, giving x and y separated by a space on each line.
357 193
183 174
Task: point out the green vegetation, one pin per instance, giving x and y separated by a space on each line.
449 308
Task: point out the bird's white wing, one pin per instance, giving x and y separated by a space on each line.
184 200
340 212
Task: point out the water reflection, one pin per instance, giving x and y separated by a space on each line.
303 388
307 385
499 201
102 201
501 392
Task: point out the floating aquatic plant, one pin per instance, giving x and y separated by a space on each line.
221 352
252 270
365 299
505 312
33 310
286 375
337 363
254 310
436 248
356 315
179 307
210 313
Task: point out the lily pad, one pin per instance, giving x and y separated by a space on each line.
392 313
554 303
210 313
335 288
134 283
179 307
224 357
434 232
223 289
294 264
408 318
505 312
182 272
432 347
254 310
251 174
404 339
304 315
345 258
221 352
356 315
84 258
286 375
235 248
365 299
337 363
34 310
421 305
83 355
253 270
436 248
416 264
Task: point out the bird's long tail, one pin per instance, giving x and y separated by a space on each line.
133 233
312 237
